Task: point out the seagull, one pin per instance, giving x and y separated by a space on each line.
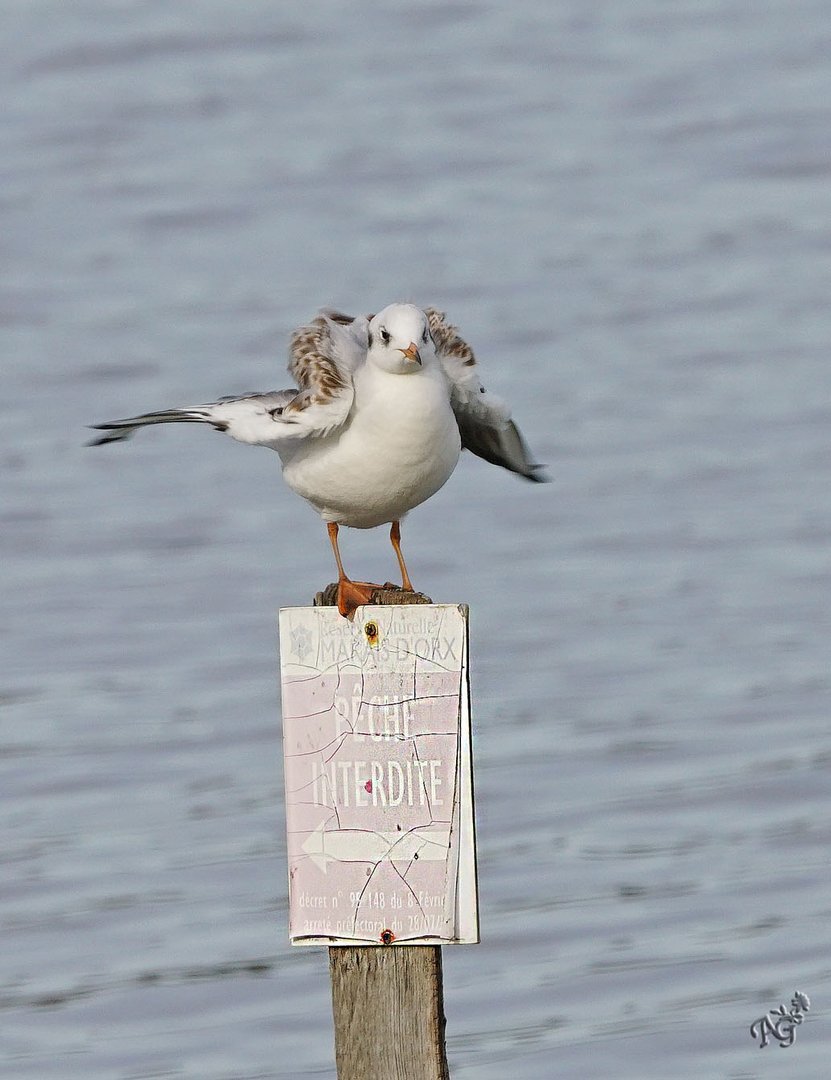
384 406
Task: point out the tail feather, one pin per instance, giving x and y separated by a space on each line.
120 430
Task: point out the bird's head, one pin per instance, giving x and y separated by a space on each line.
399 340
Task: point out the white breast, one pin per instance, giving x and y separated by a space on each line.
399 446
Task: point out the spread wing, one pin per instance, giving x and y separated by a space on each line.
484 421
322 357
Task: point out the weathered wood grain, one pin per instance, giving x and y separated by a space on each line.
388 1006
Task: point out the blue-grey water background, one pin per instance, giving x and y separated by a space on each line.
627 209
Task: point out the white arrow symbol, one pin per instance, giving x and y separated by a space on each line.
361 845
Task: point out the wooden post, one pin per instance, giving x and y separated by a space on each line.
388 1007
387 1002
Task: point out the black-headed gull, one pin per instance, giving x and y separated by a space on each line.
384 407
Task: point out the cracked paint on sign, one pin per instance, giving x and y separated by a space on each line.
377 766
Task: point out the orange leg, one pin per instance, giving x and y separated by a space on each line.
351 594
395 540
333 530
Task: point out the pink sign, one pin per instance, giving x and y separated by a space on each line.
379 809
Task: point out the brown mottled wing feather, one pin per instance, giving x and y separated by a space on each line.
311 359
449 345
322 357
485 423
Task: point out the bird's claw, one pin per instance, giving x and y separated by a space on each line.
354 594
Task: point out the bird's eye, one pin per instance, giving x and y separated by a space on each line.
424 336
385 335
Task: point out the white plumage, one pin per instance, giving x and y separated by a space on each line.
383 408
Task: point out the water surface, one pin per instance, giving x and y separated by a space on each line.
626 209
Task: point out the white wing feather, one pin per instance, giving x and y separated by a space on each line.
323 356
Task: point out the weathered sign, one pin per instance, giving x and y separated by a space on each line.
379 793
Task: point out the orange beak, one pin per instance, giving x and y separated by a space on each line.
412 353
